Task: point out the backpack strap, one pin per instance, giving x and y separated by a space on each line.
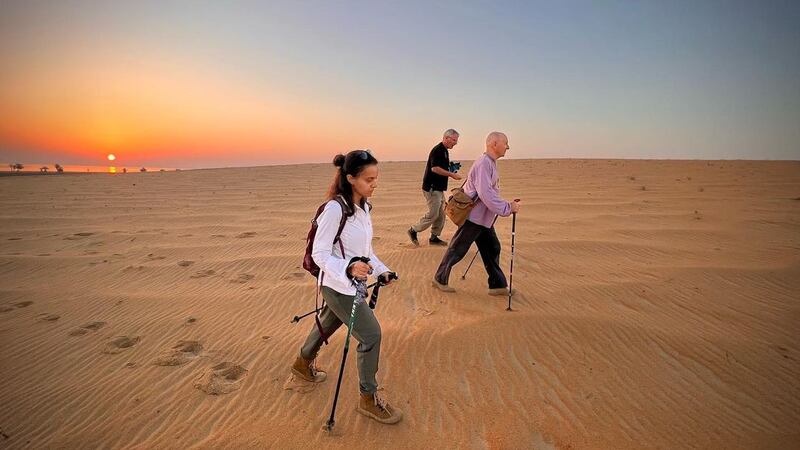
322 333
345 209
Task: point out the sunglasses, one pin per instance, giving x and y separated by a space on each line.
361 154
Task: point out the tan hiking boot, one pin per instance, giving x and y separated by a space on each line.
374 407
442 287
304 369
502 292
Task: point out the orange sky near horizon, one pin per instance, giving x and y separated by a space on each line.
145 110
143 113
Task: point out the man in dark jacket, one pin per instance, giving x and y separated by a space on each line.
434 185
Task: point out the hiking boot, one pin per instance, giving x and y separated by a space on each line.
442 287
374 407
502 291
434 240
413 236
304 369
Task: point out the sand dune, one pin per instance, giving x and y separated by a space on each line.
658 307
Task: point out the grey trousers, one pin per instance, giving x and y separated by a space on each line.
434 218
366 330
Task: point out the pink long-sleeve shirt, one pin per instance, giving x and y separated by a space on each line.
482 182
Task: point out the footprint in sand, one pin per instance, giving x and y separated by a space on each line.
246 234
153 257
243 278
223 378
91 326
49 317
203 273
13 306
181 353
218 236
15 239
120 343
292 276
185 263
298 385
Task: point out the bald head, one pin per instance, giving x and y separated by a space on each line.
496 144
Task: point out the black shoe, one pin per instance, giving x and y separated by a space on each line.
434 240
413 235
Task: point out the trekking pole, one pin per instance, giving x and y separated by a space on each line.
298 318
361 297
511 270
373 299
464 277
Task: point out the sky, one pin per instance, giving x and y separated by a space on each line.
193 84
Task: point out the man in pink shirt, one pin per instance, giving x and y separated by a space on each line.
481 185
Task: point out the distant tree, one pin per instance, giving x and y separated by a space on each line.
44 169
18 167
143 169
59 169
124 170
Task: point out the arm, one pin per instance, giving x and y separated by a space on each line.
327 225
489 194
440 164
444 173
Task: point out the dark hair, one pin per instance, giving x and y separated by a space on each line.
352 164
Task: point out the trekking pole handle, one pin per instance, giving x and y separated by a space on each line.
382 281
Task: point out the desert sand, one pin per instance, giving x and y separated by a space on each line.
658 306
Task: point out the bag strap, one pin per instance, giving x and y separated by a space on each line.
322 334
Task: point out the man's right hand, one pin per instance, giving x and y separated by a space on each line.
455 176
515 206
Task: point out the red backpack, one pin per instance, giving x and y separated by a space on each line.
308 261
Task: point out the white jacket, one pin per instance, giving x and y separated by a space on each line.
357 239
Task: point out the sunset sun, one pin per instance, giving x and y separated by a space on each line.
111 157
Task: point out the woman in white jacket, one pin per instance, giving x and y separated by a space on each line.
355 180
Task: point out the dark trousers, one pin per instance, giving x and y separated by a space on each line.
488 245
